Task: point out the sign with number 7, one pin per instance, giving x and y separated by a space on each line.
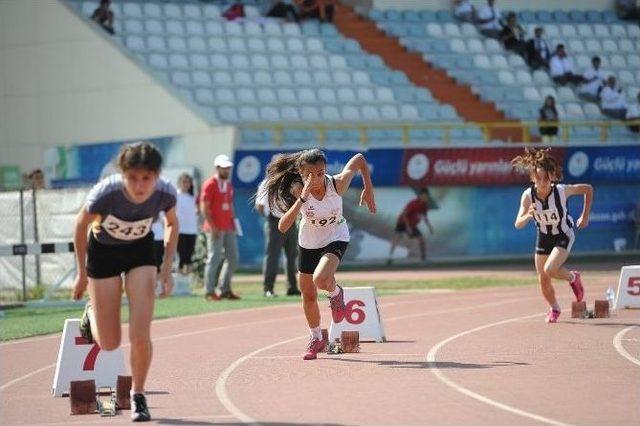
81 360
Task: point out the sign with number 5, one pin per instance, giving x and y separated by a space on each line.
628 295
361 315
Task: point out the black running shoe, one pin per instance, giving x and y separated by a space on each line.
139 409
85 324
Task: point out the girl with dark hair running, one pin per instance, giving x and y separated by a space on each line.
298 184
117 217
545 201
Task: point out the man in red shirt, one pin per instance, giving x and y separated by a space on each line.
408 220
216 203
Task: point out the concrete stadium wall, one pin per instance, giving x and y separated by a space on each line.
64 82
502 4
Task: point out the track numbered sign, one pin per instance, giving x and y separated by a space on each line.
362 315
628 295
81 360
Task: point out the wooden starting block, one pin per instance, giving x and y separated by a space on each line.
578 309
84 398
325 335
601 309
350 341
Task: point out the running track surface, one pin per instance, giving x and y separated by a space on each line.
469 357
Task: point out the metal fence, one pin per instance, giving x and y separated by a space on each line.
32 217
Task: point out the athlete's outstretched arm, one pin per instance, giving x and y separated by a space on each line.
357 163
586 190
170 243
525 214
83 220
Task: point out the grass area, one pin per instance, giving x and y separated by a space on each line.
32 321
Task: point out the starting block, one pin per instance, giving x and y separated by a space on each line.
348 343
578 309
601 309
84 398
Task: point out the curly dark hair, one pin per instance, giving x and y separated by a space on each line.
534 159
141 155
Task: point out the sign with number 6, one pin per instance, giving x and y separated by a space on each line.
628 295
361 315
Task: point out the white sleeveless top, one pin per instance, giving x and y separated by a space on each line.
322 221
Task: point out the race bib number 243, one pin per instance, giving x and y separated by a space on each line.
123 230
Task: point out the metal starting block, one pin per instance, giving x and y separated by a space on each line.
84 398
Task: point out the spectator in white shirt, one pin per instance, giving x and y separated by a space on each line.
594 79
463 10
633 114
561 68
612 101
187 211
538 52
488 20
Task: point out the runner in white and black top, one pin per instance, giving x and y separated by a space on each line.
117 216
546 203
298 184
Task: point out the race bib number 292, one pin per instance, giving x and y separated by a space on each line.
123 230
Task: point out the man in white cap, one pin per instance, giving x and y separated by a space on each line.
216 202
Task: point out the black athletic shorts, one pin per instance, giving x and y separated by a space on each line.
545 243
106 260
309 258
402 228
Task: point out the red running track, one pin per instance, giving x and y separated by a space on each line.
469 357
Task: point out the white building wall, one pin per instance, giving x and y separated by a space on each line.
64 82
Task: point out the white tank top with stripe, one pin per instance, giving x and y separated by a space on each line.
322 221
551 215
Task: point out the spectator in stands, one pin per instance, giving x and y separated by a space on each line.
104 16
216 203
538 52
512 35
235 11
594 79
628 9
633 113
464 10
318 9
280 9
488 20
548 117
561 68
612 101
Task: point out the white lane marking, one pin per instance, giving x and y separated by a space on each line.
433 367
221 383
356 354
617 343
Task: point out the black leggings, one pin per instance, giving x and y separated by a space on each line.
186 245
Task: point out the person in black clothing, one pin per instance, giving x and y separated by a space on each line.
318 9
537 50
103 16
512 35
548 116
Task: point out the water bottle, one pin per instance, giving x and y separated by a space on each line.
611 297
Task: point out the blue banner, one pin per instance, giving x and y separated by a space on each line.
385 164
603 164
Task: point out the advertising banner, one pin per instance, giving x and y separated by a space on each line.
603 164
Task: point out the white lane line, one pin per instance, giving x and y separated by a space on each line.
433 367
221 383
617 343
348 355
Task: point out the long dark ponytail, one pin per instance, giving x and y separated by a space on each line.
284 171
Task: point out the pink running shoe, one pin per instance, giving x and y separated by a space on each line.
552 316
576 286
315 346
337 306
